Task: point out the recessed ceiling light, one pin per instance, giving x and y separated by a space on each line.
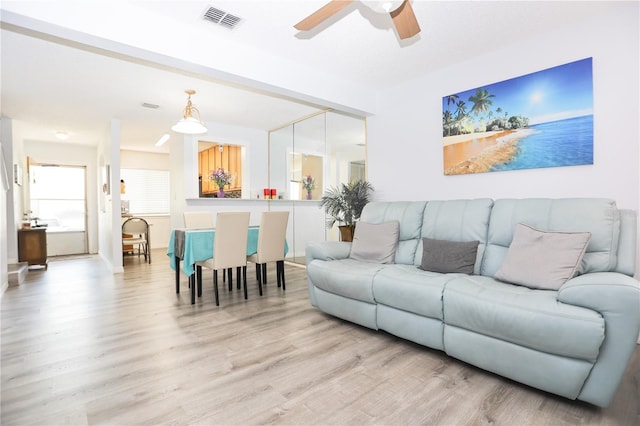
163 139
62 135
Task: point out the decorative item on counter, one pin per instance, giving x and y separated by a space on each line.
221 178
26 222
273 194
267 193
309 184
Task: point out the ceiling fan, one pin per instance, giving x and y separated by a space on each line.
401 12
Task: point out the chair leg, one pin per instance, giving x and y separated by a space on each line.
264 273
215 286
259 284
280 264
239 273
177 259
258 272
278 273
230 279
192 284
199 279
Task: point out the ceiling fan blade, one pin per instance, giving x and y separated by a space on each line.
322 14
405 21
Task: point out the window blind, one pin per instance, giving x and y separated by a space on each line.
146 190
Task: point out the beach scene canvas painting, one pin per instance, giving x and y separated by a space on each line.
543 119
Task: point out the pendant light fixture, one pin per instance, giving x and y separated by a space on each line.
189 124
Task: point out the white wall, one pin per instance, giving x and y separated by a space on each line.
143 160
109 220
13 151
4 189
405 136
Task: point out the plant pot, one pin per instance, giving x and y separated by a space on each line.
220 193
346 232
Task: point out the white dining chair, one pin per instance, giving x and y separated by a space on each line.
198 219
138 229
271 241
229 249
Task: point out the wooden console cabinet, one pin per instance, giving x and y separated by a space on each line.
32 246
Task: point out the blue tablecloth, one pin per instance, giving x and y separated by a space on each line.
198 246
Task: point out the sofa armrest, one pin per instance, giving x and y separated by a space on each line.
324 250
617 298
327 250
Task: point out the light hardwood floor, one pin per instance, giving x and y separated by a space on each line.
83 346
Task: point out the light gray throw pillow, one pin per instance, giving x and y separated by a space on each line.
375 242
544 260
449 256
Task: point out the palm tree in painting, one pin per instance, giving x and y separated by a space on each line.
461 110
447 119
481 101
451 99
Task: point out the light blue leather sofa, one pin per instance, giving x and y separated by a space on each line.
575 342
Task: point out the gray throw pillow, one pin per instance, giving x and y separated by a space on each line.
544 260
375 242
449 256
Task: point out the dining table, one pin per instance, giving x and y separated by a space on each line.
189 245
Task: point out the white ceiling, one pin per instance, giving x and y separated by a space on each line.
49 86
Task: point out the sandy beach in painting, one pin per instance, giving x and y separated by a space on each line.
479 152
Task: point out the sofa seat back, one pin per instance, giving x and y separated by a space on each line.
456 220
453 220
600 217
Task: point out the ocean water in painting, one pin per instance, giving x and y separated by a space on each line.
566 142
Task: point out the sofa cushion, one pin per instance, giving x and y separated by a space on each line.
375 242
409 214
544 260
411 289
600 217
448 256
347 277
523 316
457 220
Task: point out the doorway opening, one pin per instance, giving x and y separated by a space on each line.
57 200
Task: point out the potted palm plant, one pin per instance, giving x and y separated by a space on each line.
344 205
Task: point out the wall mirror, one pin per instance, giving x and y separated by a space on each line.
306 158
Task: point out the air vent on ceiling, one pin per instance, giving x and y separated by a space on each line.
222 18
